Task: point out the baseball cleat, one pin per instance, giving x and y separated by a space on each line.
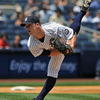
86 4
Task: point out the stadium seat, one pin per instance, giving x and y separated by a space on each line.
89 45
98 45
84 37
88 24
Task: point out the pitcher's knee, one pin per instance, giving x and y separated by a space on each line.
53 73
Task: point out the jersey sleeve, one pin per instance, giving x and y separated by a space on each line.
33 46
65 32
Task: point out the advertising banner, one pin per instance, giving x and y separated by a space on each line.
19 64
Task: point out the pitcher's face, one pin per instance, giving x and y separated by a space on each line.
29 28
32 28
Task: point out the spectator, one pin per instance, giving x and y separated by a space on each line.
98 26
30 7
70 20
16 43
3 42
96 19
18 10
57 17
2 17
76 9
95 5
19 19
87 17
24 44
65 8
45 14
55 5
45 2
95 37
72 4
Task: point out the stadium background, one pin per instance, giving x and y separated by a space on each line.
17 63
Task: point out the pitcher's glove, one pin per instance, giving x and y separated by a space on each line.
56 43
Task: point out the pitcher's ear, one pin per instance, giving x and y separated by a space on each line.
37 24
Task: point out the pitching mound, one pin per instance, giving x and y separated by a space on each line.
57 89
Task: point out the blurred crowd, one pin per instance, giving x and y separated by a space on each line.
60 11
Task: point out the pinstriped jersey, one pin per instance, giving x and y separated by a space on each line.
56 30
52 30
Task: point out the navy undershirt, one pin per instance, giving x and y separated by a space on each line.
42 39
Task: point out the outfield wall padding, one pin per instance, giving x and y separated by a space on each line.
21 64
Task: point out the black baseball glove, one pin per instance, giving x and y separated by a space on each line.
56 43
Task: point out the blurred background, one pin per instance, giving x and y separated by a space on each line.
15 59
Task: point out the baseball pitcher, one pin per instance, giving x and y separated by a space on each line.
54 40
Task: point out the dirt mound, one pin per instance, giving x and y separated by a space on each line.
57 89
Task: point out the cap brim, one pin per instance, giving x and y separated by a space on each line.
22 24
25 23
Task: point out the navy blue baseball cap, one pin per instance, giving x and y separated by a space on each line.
30 20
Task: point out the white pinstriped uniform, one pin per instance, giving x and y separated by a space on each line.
36 47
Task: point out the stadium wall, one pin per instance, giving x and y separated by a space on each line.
21 64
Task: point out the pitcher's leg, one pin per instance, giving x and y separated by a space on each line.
49 84
53 69
77 21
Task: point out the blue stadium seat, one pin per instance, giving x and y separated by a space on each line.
88 24
11 22
12 1
98 45
89 45
84 37
79 45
